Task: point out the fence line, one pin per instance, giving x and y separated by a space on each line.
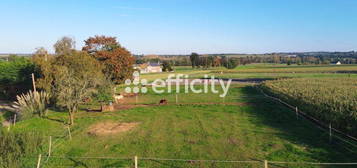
311 163
191 160
135 160
309 118
91 157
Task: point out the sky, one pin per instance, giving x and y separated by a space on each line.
183 26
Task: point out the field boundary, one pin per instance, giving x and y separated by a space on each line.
136 160
319 124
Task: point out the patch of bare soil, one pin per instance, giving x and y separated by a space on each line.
110 128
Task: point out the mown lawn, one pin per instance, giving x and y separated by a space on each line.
255 129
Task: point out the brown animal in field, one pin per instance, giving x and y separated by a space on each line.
163 102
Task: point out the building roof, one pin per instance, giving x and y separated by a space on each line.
154 64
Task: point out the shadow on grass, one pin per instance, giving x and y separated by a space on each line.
56 120
300 132
78 163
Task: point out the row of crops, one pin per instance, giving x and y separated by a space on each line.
331 100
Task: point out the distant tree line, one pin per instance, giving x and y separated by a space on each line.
232 60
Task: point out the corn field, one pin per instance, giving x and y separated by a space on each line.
331 100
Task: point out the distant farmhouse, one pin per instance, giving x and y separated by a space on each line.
148 67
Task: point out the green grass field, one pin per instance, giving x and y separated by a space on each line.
243 126
253 129
271 71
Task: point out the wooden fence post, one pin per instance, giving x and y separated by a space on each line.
265 164
39 161
69 133
14 119
136 162
297 112
50 146
33 82
176 98
330 128
136 99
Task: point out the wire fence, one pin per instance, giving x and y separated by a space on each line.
327 128
136 162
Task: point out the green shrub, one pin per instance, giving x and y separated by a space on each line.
15 76
166 66
105 92
15 148
230 63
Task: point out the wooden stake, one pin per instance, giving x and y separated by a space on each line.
136 99
136 161
176 99
330 128
265 164
297 113
69 133
39 161
50 146
14 119
33 82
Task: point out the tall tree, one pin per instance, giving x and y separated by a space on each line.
230 63
195 60
76 77
118 61
64 46
43 68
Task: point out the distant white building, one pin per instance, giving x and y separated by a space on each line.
338 63
149 68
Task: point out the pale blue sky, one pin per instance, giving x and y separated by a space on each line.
183 26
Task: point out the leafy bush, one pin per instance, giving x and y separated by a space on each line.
15 76
166 66
230 63
32 103
14 147
105 92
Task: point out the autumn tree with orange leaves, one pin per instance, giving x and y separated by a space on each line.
117 60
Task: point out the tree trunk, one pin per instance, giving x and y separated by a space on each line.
71 118
71 111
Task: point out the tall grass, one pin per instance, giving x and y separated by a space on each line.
32 103
15 148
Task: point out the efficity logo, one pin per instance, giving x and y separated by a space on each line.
178 83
